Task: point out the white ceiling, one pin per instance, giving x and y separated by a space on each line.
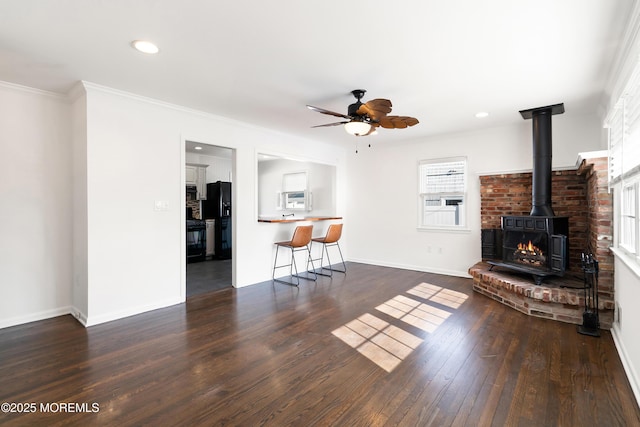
208 150
261 62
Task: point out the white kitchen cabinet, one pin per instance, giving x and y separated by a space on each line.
191 175
195 174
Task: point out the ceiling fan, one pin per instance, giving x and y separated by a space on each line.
364 118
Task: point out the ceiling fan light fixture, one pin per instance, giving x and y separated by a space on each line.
357 128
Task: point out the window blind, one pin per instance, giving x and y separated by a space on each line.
624 130
442 177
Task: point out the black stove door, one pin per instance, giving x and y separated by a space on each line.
558 253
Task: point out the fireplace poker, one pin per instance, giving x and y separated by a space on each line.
590 318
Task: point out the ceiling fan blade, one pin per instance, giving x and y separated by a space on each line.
331 113
398 122
411 121
386 123
375 109
329 124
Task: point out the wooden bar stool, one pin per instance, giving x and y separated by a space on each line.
299 242
334 232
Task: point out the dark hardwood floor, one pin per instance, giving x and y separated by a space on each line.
379 346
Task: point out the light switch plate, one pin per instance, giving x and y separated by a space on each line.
161 205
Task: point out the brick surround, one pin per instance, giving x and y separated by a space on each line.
580 194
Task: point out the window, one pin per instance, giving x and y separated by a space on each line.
629 218
623 122
442 193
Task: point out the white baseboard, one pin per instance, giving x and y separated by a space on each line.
79 316
632 375
131 311
34 317
424 269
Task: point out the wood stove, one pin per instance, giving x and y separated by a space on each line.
535 244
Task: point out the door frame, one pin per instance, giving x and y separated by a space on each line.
183 214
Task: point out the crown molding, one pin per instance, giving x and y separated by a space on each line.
32 90
76 92
88 86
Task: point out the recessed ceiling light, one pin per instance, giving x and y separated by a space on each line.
482 114
145 46
197 148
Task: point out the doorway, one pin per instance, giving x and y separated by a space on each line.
208 209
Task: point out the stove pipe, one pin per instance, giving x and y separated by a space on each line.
542 150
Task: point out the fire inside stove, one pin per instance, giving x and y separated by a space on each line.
529 254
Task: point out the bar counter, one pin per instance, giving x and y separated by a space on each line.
296 218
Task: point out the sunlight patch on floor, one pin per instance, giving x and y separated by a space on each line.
453 299
415 313
388 345
382 343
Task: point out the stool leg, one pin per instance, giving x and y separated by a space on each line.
310 259
275 263
344 266
321 267
291 265
328 260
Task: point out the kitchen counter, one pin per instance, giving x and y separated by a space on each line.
295 218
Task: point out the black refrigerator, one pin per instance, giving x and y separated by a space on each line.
217 206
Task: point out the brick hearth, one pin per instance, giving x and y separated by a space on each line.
557 298
580 194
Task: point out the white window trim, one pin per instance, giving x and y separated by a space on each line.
629 240
464 228
630 254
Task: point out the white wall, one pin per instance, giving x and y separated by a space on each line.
625 328
136 254
35 205
383 191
